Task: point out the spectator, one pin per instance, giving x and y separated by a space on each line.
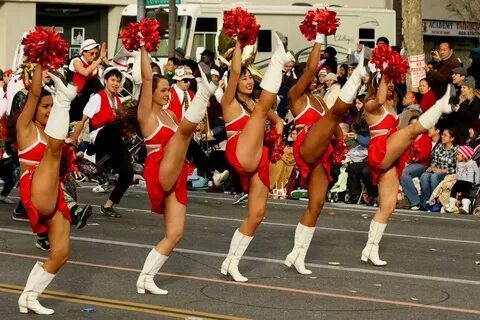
333 90
474 69
208 57
351 67
169 69
458 76
342 74
447 62
474 134
155 68
467 175
467 111
428 97
357 169
180 93
410 108
330 63
322 86
442 163
415 159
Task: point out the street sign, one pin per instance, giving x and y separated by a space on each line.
151 3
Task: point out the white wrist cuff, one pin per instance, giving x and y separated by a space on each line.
320 38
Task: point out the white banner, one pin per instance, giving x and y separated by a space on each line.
417 69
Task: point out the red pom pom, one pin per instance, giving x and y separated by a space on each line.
340 151
274 142
391 65
45 47
319 21
68 163
413 154
144 32
189 167
241 24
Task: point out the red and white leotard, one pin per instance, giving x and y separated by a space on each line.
32 156
377 148
234 128
304 120
156 142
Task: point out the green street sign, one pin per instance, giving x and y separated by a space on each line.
150 3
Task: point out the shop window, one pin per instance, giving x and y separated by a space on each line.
366 36
264 43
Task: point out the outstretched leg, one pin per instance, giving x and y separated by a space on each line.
176 149
250 139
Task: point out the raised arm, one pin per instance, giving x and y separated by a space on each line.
302 84
26 117
372 105
146 95
236 66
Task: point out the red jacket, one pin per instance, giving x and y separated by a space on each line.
418 152
80 79
176 105
106 114
428 100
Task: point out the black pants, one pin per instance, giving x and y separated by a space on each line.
463 187
196 154
6 174
358 172
109 143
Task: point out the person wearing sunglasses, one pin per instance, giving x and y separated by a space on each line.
180 93
86 65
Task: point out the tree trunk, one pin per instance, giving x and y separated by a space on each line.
412 29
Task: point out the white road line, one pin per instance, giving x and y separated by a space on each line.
269 260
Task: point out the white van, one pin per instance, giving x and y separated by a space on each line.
198 25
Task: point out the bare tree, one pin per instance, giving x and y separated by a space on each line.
468 10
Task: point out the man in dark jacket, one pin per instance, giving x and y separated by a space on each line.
447 62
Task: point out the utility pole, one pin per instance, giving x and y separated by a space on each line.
172 25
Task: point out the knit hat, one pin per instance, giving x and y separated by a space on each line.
466 151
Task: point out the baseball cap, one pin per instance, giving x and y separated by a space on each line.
109 69
89 44
460 70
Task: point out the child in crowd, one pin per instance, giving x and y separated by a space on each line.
467 174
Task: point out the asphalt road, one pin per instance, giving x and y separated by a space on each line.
431 272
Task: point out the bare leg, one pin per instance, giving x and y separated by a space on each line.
399 141
175 152
388 186
45 179
250 139
59 237
321 132
257 204
317 191
174 217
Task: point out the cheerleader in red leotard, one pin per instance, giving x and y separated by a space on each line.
316 125
245 125
42 128
385 148
165 169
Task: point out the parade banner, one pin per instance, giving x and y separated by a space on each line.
417 69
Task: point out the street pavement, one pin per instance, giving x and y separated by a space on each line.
431 273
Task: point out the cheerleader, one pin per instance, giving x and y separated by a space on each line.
386 146
316 125
41 131
245 124
165 173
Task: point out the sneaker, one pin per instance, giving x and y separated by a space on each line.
19 216
100 189
240 199
110 212
81 215
299 193
416 208
42 243
220 178
6 200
